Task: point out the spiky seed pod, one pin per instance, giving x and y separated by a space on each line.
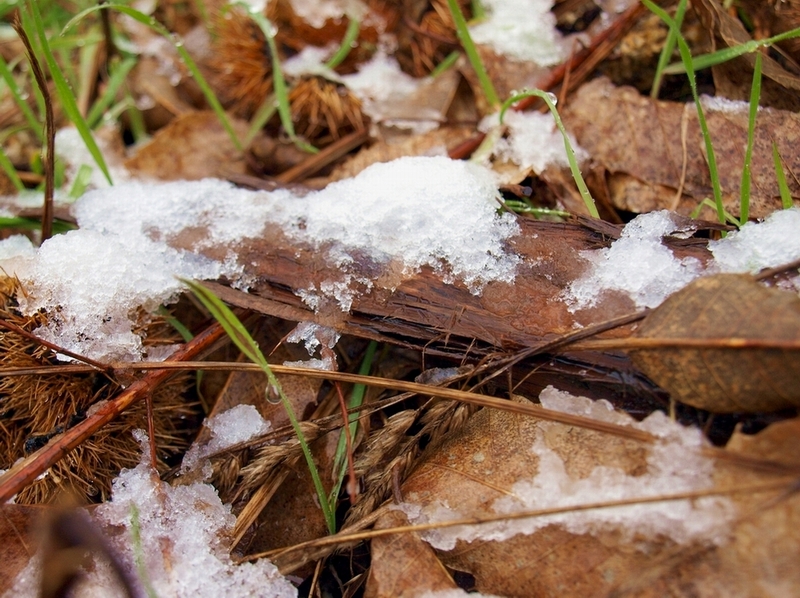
426 43
324 111
35 408
242 64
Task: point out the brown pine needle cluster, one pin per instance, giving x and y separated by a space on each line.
430 40
35 408
242 63
324 111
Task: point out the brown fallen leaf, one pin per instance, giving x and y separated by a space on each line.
640 144
731 31
192 146
718 379
490 462
403 566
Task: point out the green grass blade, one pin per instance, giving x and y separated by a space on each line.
669 47
755 96
116 81
81 181
786 195
705 61
208 93
353 27
445 64
16 94
686 57
59 226
573 162
261 118
472 54
242 339
66 95
278 80
11 172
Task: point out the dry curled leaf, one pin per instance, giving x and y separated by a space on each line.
722 380
643 149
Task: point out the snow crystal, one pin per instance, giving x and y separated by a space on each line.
532 37
641 266
237 424
755 246
315 337
533 141
72 150
412 212
184 532
722 104
674 465
637 263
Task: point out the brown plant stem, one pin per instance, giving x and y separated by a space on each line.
48 161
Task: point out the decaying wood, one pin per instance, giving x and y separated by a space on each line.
424 311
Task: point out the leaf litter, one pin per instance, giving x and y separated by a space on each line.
141 235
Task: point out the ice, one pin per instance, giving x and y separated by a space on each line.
237 424
755 246
520 29
637 263
310 61
533 141
674 465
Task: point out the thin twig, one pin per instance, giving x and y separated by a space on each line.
27 470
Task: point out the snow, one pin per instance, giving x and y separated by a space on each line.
385 92
317 12
71 149
184 533
315 337
532 142
756 246
639 265
724 105
237 424
531 38
409 213
674 465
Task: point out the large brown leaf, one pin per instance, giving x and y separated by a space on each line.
722 380
638 142
487 459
